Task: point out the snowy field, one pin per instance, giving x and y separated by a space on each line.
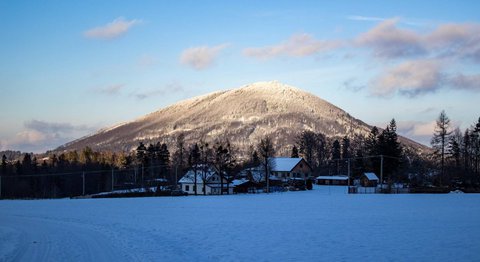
318 225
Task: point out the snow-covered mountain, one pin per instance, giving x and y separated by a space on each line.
243 115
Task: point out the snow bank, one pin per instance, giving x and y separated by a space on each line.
316 225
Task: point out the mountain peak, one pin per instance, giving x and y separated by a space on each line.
243 115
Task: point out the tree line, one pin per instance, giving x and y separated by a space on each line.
456 153
455 160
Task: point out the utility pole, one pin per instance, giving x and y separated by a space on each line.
268 181
381 172
142 175
83 180
176 178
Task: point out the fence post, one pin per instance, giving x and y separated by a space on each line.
112 179
83 182
348 173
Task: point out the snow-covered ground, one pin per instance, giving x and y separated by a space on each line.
320 225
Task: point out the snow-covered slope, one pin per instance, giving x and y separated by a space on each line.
243 115
317 225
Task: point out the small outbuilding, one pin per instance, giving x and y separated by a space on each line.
332 180
246 186
369 180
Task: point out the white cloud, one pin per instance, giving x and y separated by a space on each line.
171 88
467 82
388 41
460 40
409 78
298 45
419 131
114 29
40 136
201 57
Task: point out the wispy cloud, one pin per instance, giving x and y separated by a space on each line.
111 90
39 136
409 78
457 40
420 58
350 84
466 82
388 41
202 57
365 18
298 45
114 29
171 88
417 130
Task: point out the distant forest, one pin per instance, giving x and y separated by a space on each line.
453 162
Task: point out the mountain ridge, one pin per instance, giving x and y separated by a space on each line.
243 115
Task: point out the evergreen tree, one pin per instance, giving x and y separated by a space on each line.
179 156
255 159
306 142
391 150
4 165
346 148
336 150
294 152
164 160
475 141
321 153
440 140
454 150
336 155
141 158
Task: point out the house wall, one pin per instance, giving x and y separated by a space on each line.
191 190
332 182
302 169
208 190
367 183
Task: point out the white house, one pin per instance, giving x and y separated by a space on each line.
206 174
287 168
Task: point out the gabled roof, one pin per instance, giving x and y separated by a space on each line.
189 177
284 164
371 176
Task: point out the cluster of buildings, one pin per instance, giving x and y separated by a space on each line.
285 173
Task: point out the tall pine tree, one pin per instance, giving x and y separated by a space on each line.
440 141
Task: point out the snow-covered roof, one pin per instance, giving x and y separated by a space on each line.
202 172
238 182
371 176
284 164
333 177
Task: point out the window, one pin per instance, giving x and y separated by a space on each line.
186 187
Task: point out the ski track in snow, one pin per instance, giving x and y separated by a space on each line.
320 225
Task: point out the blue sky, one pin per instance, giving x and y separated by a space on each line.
69 68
